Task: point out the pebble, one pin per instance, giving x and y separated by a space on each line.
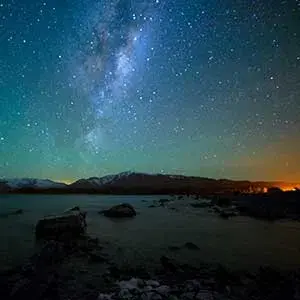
135 287
102 296
156 297
130 284
163 289
195 283
187 296
204 295
124 293
148 288
152 283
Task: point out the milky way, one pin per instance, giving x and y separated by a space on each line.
197 87
106 65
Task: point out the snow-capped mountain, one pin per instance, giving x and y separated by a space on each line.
132 183
98 182
126 181
21 183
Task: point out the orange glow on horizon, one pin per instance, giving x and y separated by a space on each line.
66 181
288 188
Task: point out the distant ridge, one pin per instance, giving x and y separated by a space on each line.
135 183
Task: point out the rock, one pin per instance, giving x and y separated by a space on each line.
75 208
102 296
19 287
146 296
192 285
124 210
61 227
228 212
87 244
156 296
153 283
187 296
97 258
201 204
204 295
151 206
172 297
163 289
51 253
168 264
124 293
148 288
131 284
191 246
163 201
174 248
217 209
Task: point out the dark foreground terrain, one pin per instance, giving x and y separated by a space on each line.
77 266
273 205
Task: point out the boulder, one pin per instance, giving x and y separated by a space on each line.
124 210
163 201
169 264
57 227
174 248
75 208
191 246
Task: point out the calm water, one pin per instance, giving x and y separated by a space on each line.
239 242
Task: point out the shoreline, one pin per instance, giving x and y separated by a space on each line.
82 270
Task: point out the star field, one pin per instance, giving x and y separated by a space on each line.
196 87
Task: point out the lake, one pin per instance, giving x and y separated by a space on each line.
240 242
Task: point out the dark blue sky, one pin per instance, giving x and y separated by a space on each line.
208 88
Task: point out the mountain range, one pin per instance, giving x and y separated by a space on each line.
135 183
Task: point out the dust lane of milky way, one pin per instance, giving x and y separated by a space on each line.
196 87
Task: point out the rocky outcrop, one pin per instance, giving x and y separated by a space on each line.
136 288
60 227
124 210
191 246
74 208
162 202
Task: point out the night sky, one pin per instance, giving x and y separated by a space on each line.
196 87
